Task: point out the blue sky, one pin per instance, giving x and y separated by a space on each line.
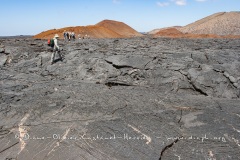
29 17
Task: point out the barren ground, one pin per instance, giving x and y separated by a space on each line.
120 99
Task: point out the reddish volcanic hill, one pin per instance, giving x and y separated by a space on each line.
92 31
159 29
170 32
119 27
174 33
104 29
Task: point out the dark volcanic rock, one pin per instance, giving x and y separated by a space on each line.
122 99
3 60
2 50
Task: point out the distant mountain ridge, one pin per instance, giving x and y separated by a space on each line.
17 36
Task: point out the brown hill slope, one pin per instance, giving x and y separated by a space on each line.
92 31
104 29
169 32
159 29
174 33
223 23
119 27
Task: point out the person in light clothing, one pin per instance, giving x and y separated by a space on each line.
56 49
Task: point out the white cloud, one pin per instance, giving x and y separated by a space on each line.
177 2
200 0
180 2
162 4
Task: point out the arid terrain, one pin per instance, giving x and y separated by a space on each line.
103 29
222 23
175 33
219 25
120 99
157 30
121 95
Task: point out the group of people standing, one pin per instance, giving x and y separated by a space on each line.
68 36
